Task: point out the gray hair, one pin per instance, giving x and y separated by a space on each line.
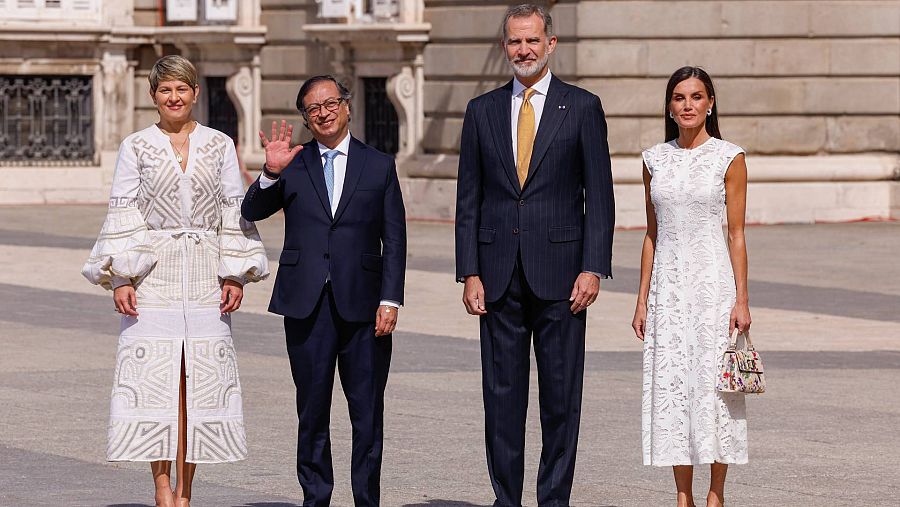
525 11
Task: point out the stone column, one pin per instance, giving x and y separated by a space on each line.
401 90
406 92
115 107
249 12
243 89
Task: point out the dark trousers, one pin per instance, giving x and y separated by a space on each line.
506 335
315 344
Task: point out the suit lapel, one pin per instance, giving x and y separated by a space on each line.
356 161
501 131
316 173
555 110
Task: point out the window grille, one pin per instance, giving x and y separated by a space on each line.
222 114
382 124
46 120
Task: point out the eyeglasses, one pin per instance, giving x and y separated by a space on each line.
330 105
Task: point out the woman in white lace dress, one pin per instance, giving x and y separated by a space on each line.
693 290
176 253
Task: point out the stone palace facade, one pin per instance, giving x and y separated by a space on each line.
810 88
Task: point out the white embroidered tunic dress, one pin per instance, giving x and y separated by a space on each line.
176 235
685 421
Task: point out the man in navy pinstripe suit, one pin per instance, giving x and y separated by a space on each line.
534 229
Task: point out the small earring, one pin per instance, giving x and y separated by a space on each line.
671 115
709 112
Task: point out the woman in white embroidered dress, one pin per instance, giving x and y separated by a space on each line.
693 290
176 253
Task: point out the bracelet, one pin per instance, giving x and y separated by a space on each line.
269 174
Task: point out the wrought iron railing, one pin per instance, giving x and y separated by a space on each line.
46 120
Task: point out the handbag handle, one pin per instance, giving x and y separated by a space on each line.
732 344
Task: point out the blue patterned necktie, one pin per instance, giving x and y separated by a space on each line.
329 173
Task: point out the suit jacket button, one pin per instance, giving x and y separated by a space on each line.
327 256
516 230
522 202
333 228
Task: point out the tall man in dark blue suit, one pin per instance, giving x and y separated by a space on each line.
534 230
340 280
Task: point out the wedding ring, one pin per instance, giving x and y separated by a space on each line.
387 310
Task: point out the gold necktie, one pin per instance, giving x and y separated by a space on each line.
525 137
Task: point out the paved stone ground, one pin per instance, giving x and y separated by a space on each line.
826 306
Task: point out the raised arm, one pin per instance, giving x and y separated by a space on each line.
266 195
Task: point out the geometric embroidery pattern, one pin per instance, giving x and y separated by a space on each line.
176 235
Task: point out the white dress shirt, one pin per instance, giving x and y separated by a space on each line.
340 170
340 174
538 98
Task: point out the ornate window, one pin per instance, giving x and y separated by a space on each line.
201 12
46 120
50 10
361 10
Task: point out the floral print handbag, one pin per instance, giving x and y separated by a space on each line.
741 370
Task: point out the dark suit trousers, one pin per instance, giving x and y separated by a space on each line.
506 334
315 344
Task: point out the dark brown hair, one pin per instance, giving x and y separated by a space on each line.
712 121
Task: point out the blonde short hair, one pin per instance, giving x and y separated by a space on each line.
173 68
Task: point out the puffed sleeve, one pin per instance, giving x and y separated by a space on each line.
122 254
242 257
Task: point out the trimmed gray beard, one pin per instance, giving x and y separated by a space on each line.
525 70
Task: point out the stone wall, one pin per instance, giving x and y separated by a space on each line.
288 58
792 77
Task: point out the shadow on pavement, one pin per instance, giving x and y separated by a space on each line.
453 503
269 504
443 503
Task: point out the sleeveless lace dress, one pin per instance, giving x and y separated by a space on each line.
685 421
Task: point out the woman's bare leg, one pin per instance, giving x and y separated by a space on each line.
716 495
161 471
684 479
184 472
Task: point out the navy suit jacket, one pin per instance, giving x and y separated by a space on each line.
362 247
561 221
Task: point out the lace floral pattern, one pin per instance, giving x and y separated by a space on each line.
685 421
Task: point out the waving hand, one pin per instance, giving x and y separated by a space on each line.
278 150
